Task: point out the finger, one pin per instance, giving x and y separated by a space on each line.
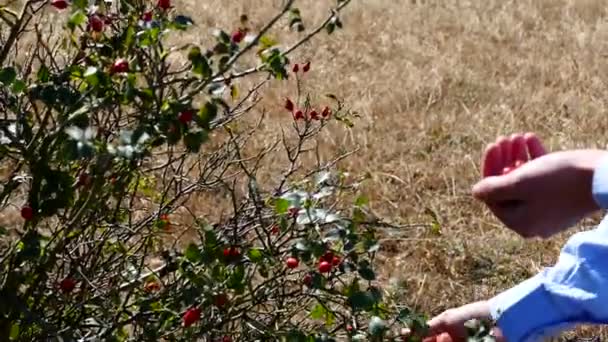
535 147
495 189
505 147
497 333
519 149
445 337
492 160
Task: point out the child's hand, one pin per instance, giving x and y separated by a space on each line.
546 194
449 325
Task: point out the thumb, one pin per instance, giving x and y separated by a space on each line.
497 188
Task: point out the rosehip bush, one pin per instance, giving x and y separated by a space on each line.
104 137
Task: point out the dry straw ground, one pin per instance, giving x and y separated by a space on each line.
434 82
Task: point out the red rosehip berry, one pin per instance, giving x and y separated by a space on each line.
336 261
298 115
292 262
296 68
289 105
328 256
84 179
186 116
27 213
220 300
307 280
226 339
231 253
326 112
306 67
518 163
191 316
59 4
147 16
275 229
314 115
349 328
120 65
67 285
164 4
293 212
95 23
324 267
507 170
238 36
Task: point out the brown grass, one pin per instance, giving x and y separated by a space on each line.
434 82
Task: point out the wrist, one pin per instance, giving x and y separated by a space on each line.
594 169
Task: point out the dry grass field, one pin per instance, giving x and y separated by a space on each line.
434 82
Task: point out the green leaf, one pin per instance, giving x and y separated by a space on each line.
206 114
80 4
317 312
182 22
194 140
367 273
255 255
8 75
281 205
320 312
43 74
235 281
193 254
76 19
361 301
18 86
267 42
200 66
361 201
14 334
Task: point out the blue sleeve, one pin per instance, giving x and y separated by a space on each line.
600 184
573 291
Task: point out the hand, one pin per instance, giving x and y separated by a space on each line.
449 325
548 193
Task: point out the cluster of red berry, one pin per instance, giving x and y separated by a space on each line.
313 114
327 261
232 253
305 67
